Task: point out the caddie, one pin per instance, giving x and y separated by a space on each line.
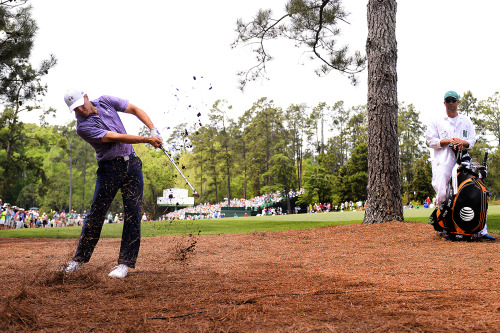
444 130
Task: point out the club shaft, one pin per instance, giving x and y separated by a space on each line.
175 165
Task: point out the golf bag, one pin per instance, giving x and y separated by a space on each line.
465 210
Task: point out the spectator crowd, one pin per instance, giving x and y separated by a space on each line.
207 210
13 217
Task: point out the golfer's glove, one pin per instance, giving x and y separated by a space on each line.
156 134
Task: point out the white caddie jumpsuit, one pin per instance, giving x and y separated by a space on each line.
443 160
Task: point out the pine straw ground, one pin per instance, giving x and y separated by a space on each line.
379 278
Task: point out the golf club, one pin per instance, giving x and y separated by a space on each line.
195 194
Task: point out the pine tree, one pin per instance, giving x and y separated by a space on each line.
20 88
313 24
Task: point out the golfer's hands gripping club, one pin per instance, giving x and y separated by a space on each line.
155 142
157 139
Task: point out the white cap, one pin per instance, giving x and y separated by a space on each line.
74 98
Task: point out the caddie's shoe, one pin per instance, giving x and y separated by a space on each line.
488 237
71 267
119 272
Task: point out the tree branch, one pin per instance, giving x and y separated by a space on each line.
313 24
6 3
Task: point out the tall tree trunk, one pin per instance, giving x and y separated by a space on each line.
228 176
258 184
201 175
8 155
343 154
245 174
70 181
301 154
384 202
7 168
300 168
408 187
322 133
215 183
268 156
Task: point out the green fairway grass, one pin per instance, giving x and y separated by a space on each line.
236 225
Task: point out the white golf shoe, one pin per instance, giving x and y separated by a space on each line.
72 266
119 272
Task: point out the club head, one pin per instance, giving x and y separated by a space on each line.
196 195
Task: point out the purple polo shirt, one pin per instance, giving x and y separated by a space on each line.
94 127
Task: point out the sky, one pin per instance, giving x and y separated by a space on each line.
174 59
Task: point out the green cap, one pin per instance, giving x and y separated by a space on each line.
452 94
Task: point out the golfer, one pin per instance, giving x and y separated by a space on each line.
119 167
